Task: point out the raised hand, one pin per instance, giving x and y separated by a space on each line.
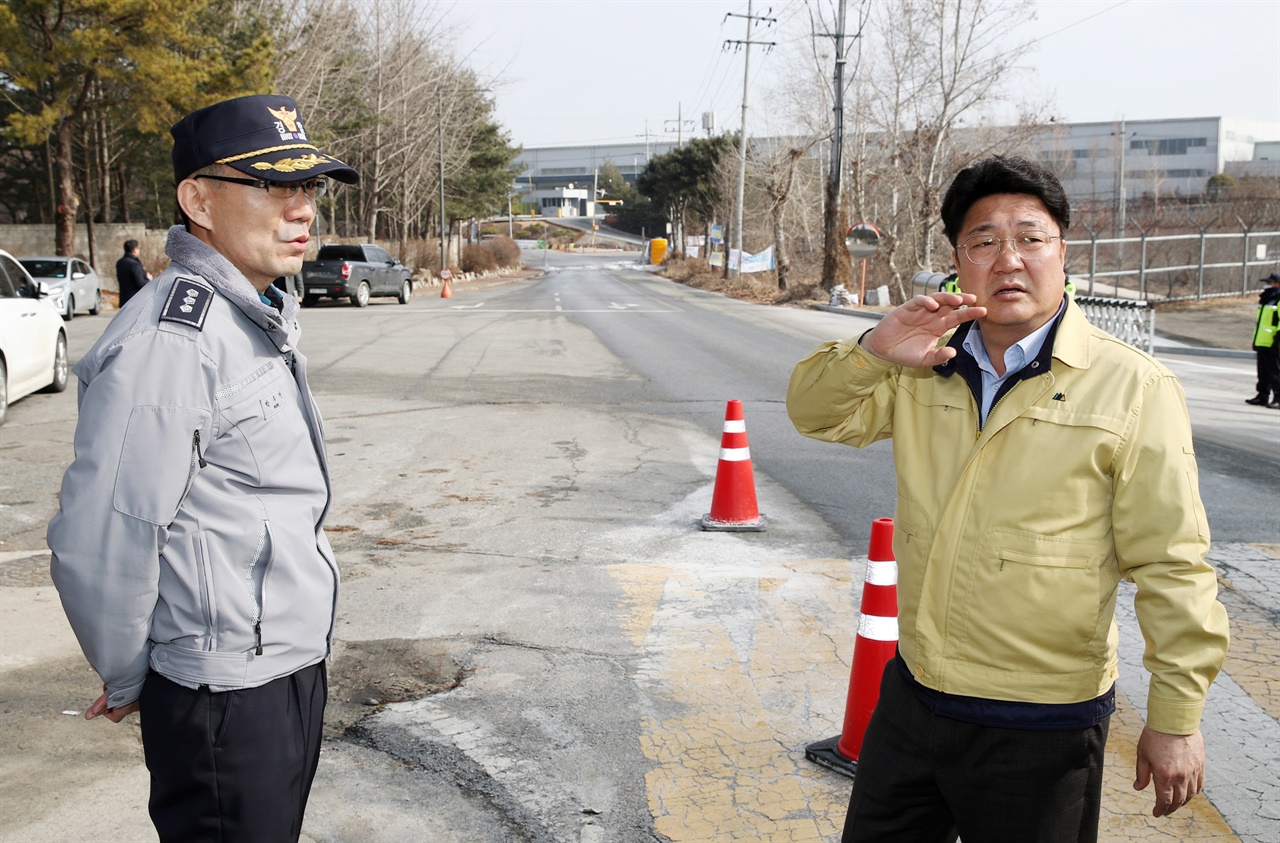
908 335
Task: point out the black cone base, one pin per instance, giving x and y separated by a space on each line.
825 754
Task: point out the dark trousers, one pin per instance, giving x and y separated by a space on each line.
1269 372
232 766
922 778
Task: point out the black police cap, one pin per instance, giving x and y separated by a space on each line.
260 135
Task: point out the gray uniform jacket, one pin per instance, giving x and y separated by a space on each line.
190 535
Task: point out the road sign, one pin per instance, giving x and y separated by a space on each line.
863 240
445 275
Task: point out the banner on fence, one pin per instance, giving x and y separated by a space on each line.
762 262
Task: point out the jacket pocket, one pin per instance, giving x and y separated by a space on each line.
161 454
1035 603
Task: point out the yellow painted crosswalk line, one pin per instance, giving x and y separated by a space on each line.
1126 813
743 665
742 673
1255 644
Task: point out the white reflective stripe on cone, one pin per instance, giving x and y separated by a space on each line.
877 628
735 426
735 454
882 573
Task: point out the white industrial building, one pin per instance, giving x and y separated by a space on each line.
557 180
1146 160
1151 160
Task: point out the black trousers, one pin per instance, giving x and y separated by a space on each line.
922 778
232 766
1269 372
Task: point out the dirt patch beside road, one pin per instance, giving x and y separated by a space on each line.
1217 323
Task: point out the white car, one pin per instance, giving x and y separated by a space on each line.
33 341
72 284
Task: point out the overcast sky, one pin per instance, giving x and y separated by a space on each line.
594 71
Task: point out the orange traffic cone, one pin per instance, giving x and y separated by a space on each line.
446 292
874 646
733 503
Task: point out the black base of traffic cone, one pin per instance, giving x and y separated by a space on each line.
824 754
757 525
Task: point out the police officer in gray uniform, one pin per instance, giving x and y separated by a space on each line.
188 550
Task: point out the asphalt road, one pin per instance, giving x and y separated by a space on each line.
537 643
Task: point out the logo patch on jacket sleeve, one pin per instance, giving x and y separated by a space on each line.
188 303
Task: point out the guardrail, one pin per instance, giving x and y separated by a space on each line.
1133 321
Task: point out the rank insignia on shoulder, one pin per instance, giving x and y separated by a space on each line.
188 302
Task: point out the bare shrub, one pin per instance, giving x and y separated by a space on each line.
422 255
477 258
505 251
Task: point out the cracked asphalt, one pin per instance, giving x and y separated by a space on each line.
537 643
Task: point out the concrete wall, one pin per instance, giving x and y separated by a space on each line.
23 240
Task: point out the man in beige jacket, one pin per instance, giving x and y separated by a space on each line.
1039 462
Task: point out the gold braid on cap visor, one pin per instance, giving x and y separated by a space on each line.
284 165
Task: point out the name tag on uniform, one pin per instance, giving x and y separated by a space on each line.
272 404
188 302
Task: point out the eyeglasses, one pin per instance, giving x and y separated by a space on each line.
983 249
311 188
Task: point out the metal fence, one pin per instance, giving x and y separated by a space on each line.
1175 267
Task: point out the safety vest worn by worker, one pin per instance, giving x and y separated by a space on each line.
1264 333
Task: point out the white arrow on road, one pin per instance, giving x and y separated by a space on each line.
467 306
616 306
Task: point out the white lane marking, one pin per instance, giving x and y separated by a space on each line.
461 309
466 306
1244 366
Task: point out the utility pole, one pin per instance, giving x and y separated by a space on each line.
444 257
742 139
646 141
832 241
680 124
1122 201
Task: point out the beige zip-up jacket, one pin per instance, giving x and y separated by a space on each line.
1011 537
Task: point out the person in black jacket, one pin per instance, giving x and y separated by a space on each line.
1266 344
130 273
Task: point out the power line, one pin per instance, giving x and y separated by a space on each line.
1077 23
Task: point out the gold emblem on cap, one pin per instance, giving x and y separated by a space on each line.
289 118
292 165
